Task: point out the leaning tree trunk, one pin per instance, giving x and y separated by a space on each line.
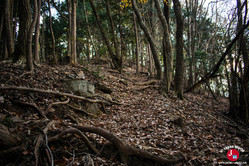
167 46
149 38
179 50
115 59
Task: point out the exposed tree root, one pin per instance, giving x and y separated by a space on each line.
76 131
12 150
39 141
32 105
55 103
148 82
51 92
128 154
146 87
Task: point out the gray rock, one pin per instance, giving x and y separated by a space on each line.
80 86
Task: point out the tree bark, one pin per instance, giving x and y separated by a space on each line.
37 35
115 59
29 56
149 38
167 46
69 50
179 49
74 53
24 26
8 27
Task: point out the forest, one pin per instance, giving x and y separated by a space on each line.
124 82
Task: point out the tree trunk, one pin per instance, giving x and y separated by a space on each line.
52 34
1 24
24 26
88 29
115 59
179 50
241 43
43 36
37 35
167 47
8 27
74 53
29 56
137 43
69 51
150 39
113 28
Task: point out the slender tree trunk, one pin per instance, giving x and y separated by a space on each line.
29 56
179 50
150 39
113 28
74 52
88 28
69 51
43 36
52 34
8 26
37 35
167 47
142 55
115 59
1 24
137 43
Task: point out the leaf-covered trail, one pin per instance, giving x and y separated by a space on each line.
194 127
146 119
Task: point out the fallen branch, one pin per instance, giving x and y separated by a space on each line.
51 92
128 153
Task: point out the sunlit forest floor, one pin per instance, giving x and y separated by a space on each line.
196 127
